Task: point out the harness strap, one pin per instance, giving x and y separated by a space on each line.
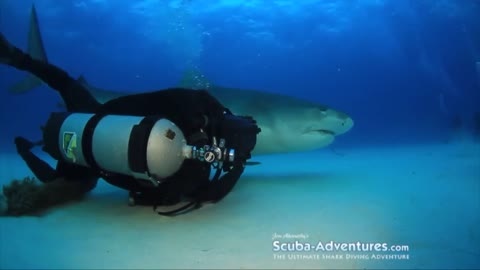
137 144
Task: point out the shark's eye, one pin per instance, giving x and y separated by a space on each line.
320 111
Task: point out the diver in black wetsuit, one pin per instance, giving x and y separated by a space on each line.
198 115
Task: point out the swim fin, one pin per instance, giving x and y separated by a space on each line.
6 50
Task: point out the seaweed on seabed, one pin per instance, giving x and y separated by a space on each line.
30 197
22 196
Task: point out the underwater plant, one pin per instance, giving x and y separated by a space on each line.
29 197
21 196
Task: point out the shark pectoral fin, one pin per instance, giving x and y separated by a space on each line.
252 163
194 79
25 85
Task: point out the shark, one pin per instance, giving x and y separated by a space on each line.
289 124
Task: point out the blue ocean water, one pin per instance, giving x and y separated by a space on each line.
401 69
407 72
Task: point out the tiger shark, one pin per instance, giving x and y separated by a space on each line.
288 124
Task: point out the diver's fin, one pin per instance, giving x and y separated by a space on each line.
6 50
36 50
252 163
194 79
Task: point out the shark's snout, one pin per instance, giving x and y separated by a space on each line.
330 123
345 124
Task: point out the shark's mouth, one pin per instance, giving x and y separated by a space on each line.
323 131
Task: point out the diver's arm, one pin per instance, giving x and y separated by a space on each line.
41 169
45 173
184 107
59 186
124 182
75 173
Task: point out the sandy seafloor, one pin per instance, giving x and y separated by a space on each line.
423 196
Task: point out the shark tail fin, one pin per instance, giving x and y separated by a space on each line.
37 51
194 79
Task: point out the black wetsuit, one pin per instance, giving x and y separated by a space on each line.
184 107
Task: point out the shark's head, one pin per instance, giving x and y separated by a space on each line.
319 125
298 125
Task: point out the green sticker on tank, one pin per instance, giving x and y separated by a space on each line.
70 145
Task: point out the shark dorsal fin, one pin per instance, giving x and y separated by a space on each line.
35 43
194 79
35 50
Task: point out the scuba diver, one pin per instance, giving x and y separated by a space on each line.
160 146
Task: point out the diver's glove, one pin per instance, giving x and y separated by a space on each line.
23 145
240 133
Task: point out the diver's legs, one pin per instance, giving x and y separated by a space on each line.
74 94
41 169
139 194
